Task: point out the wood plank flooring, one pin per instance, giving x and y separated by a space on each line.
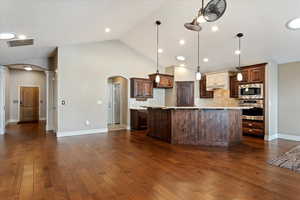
125 165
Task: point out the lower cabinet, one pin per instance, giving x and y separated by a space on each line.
138 119
253 127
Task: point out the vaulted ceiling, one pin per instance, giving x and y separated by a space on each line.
60 22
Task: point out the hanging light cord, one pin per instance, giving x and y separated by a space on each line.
202 5
157 42
198 68
240 51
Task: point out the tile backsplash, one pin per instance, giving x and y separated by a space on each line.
157 100
221 98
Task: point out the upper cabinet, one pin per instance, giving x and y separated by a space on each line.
234 86
166 81
141 88
253 73
204 94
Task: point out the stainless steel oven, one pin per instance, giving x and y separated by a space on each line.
251 91
256 112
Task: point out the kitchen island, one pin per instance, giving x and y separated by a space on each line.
208 126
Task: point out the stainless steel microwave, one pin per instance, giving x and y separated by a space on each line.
251 91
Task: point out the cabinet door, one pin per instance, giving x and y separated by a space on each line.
234 87
185 93
139 88
147 89
257 74
245 73
204 94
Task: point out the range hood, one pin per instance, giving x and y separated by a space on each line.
217 80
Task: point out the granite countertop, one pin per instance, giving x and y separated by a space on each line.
200 108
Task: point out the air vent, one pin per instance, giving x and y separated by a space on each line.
18 43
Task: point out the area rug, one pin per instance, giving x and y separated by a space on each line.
289 160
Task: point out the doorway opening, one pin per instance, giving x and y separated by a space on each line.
117 103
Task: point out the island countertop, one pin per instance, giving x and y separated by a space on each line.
199 108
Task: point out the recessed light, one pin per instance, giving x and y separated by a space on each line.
28 68
107 30
294 24
237 52
7 36
182 65
205 59
22 37
180 58
160 50
214 28
182 42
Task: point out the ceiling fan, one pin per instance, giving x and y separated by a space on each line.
213 11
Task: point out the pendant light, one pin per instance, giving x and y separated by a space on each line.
239 74
157 77
198 73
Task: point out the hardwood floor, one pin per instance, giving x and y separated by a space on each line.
124 165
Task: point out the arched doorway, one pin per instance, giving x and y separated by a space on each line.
117 103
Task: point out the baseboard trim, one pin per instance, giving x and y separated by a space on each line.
81 132
289 137
12 121
42 119
271 137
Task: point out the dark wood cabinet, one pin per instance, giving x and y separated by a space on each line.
257 74
185 93
204 94
253 73
166 81
138 119
253 127
141 88
234 86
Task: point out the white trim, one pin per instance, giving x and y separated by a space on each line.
12 121
289 137
42 118
19 98
271 137
82 132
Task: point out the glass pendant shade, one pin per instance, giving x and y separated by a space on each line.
157 78
198 76
239 76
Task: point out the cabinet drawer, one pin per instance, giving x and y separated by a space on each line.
253 131
253 124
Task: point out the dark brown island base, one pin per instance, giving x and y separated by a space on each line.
209 126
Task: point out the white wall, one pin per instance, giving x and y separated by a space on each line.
271 101
25 78
50 78
2 100
289 101
7 96
83 71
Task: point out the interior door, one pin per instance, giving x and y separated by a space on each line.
29 104
116 103
185 93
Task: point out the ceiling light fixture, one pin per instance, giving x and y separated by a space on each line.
214 28
198 73
237 52
157 77
180 58
107 30
28 68
7 36
213 11
205 59
22 37
160 50
239 74
182 42
294 24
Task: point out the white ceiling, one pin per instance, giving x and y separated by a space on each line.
59 22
